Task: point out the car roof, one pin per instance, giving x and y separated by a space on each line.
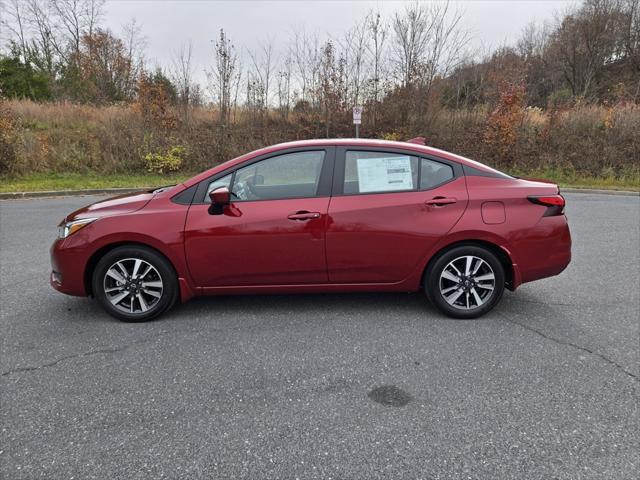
350 142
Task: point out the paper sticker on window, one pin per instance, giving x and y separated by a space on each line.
384 174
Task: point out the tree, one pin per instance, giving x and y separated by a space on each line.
15 23
378 30
182 76
104 69
19 80
332 85
134 45
284 87
428 42
631 39
224 74
263 65
42 47
75 19
412 31
584 42
305 52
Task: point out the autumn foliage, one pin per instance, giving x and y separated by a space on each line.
504 123
564 98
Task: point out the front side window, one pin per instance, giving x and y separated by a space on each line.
374 172
292 175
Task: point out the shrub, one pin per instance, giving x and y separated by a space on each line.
7 130
393 136
501 134
171 161
63 137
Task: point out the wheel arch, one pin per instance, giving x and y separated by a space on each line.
500 252
103 250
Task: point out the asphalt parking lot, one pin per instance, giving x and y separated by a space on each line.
545 386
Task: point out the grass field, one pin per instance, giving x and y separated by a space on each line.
75 181
628 181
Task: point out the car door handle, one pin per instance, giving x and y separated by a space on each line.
440 201
304 215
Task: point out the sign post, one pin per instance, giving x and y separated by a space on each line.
357 119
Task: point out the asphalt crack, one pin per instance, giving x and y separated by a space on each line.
576 346
90 353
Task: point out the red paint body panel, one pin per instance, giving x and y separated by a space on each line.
535 243
255 243
382 237
158 225
366 242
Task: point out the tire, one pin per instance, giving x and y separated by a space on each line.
459 292
134 298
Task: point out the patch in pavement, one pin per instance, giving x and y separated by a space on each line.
390 396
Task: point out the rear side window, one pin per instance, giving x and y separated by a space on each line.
371 172
433 173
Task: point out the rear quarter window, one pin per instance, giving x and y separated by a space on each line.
434 173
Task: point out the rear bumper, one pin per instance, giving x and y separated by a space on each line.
67 269
546 251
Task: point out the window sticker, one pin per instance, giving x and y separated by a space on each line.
384 174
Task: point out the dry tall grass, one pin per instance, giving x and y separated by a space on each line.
61 137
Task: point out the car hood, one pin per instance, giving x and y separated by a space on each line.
113 206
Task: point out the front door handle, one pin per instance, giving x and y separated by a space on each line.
304 215
440 201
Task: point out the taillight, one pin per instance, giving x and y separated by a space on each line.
554 203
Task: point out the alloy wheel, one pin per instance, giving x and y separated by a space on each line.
467 282
133 285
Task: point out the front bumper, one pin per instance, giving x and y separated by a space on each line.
67 268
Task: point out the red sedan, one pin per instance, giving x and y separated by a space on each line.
318 216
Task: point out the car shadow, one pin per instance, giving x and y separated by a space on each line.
391 304
326 303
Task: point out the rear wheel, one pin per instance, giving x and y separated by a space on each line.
134 284
465 282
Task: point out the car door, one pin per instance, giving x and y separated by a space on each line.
388 209
273 232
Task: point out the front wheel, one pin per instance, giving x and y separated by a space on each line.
134 284
465 282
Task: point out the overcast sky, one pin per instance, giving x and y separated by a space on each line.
167 24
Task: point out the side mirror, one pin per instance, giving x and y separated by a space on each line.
220 197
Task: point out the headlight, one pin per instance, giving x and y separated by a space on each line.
69 228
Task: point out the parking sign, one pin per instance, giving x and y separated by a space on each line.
357 115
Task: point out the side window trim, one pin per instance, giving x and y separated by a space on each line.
324 183
340 161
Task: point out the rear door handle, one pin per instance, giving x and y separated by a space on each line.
440 201
304 215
